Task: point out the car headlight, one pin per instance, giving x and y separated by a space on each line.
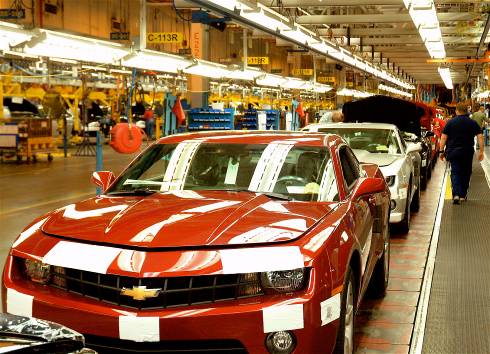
37 271
390 180
283 281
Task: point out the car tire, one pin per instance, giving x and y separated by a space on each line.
423 179
404 225
345 333
415 205
379 279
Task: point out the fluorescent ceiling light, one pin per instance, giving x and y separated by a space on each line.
158 61
430 34
61 45
247 74
271 80
424 18
261 19
320 88
446 77
207 69
301 35
230 4
292 83
11 35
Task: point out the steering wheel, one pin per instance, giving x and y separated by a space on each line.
286 179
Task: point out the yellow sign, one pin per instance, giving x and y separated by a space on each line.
257 60
302 72
326 79
164 37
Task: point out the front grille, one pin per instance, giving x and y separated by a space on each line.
175 291
105 345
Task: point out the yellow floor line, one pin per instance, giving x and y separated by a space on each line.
449 193
52 201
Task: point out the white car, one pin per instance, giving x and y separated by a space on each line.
399 161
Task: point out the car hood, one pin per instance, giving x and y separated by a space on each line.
185 219
376 158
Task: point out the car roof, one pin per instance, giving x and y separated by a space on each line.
253 137
354 125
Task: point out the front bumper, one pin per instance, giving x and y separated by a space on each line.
400 198
242 321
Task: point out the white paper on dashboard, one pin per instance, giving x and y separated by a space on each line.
91 258
262 120
261 259
232 171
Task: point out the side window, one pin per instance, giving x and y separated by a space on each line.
402 142
350 167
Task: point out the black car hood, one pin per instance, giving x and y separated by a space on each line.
18 334
382 109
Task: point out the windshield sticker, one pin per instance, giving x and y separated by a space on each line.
232 171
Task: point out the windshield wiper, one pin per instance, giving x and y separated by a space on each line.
142 192
271 195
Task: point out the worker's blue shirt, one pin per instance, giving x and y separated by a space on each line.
460 131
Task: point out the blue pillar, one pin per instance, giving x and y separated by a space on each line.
98 157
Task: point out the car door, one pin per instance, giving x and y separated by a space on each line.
412 165
360 216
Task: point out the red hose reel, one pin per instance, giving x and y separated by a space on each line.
126 139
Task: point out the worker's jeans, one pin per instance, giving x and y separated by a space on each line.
461 169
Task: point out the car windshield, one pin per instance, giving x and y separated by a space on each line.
371 140
303 173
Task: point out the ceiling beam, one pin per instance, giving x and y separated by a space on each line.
327 3
380 18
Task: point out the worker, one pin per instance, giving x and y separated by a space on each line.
480 118
457 137
337 117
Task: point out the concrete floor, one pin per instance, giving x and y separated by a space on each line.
30 190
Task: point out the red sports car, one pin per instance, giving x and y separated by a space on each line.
235 242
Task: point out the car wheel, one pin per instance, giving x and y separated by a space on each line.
379 279
423 179
404 225
415 205
345 333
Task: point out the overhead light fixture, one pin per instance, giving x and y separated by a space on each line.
157 61
67 46
262 18
271 80
12 35
394 90
446 77
246 75
301 35
207 69
118 71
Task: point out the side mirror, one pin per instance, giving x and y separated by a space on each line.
414 147
369 186
103 179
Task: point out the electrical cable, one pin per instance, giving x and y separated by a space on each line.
178 13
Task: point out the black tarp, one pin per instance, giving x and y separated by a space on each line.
384 109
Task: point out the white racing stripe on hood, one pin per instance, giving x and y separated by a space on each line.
28 233
91 258
262 259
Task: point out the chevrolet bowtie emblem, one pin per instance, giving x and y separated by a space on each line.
140 292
